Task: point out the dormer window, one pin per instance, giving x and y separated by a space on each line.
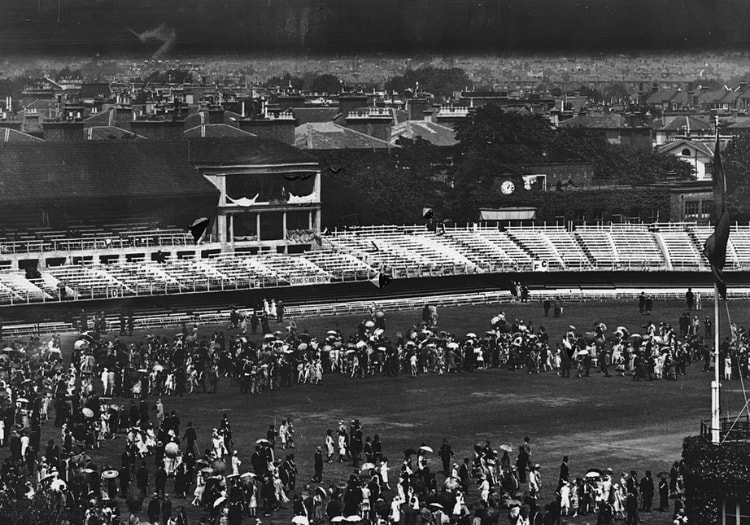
686 152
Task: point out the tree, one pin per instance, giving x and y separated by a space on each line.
325 83
381 187
441 82
736 161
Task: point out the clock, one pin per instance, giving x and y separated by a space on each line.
507 187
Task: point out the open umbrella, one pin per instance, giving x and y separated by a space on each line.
219 466
171 449
110 474
300 520
219 501
78 345
232 476
322 491
370 324
436 506
366 466
425 448
247 476
332 332
201 463
207 470
88 412
506 448
471 335
353 518
337 519
262 441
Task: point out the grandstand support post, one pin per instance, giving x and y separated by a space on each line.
715 407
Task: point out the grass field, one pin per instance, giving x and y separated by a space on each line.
599 422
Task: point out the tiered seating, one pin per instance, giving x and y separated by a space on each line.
296 270
85 281
477 249
143 278
567 247
736 242
598 245
245 269
681 250
637 248
424 250
341 266
537 245
500 239
194 275
17 284
740 243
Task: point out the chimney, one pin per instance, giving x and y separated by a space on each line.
63 131
417 107
159 130
216 116
375 122
278 129
111 115
350 102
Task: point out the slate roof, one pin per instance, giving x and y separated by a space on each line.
94 90
679 144
13 135
432 132
109 133
681 122
216 130
328 135
305 115
608 121
98 170
249 150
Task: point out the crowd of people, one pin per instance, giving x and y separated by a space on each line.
79 392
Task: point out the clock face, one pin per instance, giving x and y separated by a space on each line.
508 187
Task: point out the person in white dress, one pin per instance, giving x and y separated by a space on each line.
236 462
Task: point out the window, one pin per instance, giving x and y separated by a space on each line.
691 210
706 208
735 513
686 152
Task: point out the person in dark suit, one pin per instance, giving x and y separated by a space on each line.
446 456
564 473
160 481
124 477
318 460
647 492
154 509
663 495
522 464
166 510
141 479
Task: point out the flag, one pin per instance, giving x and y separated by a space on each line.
198 228
381 280
715 248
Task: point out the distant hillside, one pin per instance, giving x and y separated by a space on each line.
344 26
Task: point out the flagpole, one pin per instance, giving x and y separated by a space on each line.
715 408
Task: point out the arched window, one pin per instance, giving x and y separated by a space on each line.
686 152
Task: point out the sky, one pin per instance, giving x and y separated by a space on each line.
336 27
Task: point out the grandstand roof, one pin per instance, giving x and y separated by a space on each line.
97 169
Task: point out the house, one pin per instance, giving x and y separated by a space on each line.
698 154
332 136
626 130
669 128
